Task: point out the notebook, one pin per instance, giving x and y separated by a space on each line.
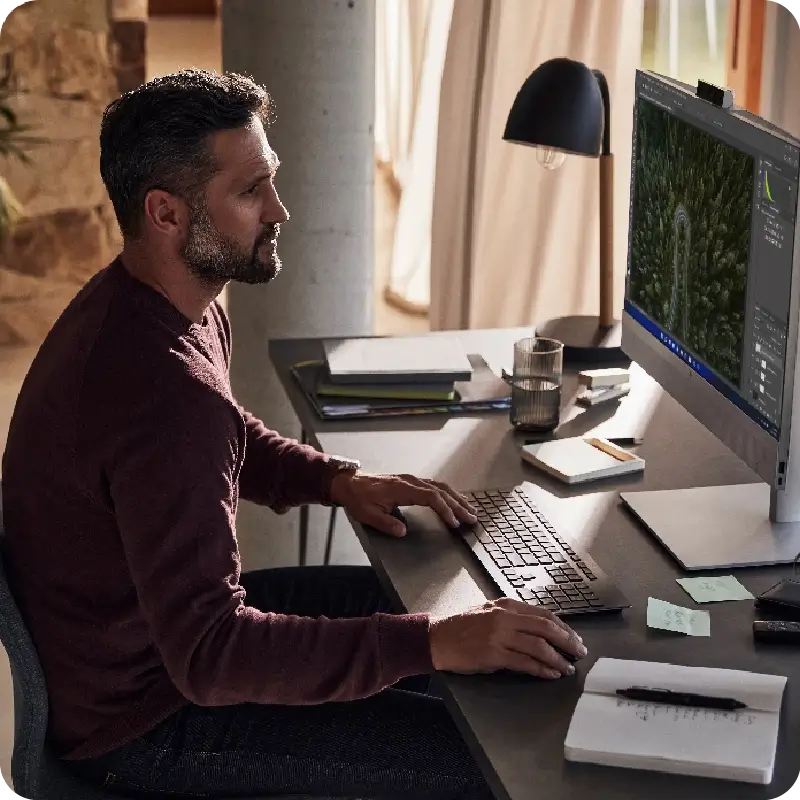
397 359
581 459
733 745
387 391
485 392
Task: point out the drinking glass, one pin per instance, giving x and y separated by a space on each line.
536 384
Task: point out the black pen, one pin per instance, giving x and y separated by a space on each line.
680 698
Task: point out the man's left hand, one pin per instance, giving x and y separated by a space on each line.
371 498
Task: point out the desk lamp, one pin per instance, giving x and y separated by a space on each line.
564 108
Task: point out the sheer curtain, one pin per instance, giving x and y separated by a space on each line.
411 43
781 66
513 242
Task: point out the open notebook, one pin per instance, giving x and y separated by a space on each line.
734 745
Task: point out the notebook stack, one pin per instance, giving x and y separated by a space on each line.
380 377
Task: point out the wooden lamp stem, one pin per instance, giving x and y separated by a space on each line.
606 241
606 210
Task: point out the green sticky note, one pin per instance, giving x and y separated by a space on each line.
667 617
715 590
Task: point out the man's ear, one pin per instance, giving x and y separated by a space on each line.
164 213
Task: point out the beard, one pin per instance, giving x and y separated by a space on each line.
214 257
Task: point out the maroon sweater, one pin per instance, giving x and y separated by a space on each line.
124 465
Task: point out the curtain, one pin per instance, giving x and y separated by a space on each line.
411 42
781 66
512 242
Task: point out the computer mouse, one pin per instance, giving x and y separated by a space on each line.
567 656
399 516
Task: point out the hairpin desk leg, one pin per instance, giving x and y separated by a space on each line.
303 518
329 540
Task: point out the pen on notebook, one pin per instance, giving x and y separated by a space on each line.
619 441
680 698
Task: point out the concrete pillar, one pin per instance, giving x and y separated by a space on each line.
128 40
317 60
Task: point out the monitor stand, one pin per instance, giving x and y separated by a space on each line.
717 527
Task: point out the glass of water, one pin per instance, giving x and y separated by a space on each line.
536 384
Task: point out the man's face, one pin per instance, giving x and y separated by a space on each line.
233 231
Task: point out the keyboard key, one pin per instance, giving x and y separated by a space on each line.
530 560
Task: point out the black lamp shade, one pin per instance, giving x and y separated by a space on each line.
559 107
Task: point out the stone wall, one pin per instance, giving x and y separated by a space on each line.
67 60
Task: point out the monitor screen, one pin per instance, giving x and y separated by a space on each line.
713 214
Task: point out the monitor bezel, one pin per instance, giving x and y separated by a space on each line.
767 456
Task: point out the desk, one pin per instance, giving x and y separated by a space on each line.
515 725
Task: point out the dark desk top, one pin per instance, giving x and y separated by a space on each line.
516 726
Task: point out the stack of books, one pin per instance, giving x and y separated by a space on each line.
379 377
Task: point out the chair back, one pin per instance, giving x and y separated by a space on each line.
35 772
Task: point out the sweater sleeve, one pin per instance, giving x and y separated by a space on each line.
281 473
175 497
277 472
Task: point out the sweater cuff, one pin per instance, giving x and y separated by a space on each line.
404 646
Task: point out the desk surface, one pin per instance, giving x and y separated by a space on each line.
515 725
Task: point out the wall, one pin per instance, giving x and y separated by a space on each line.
67 59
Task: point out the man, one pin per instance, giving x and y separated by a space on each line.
167 669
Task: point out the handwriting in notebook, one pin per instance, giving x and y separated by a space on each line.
671 713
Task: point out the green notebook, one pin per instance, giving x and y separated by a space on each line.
439 392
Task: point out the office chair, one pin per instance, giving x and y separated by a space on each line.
35 772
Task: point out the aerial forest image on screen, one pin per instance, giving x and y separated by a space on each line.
691 237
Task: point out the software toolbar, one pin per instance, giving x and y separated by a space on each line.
764 379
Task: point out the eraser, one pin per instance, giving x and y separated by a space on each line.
601 378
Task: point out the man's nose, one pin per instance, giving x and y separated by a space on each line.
275 211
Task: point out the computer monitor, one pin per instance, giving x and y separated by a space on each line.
712 300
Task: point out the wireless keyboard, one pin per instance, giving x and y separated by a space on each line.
527 560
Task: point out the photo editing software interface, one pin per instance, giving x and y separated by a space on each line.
712 227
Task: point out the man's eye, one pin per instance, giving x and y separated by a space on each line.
252 189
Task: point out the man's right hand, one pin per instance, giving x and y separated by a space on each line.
505 634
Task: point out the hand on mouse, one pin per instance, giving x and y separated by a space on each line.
505 634
370 499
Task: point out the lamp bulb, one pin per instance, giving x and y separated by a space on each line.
550 159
